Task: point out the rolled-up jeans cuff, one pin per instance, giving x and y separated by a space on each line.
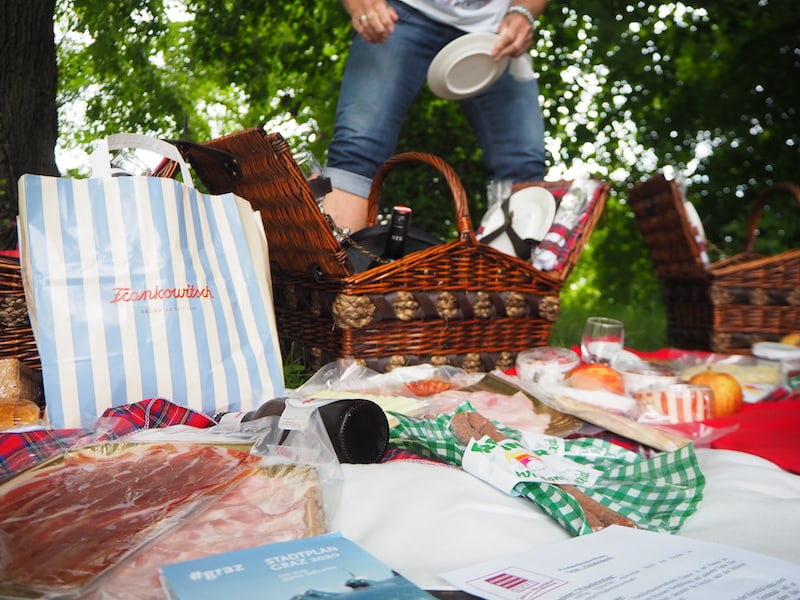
348 181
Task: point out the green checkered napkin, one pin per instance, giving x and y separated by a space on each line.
658 493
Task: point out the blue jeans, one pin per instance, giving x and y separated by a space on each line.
381 81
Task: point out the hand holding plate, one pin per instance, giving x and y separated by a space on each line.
514 37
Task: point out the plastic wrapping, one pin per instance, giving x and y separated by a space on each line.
292 494
17 380
20 396
277 504
347 375
658 409
402 390
215 489
612 412
68 521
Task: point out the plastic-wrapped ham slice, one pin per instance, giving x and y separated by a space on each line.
64 523
274 505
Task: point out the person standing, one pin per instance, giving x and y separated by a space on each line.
393 45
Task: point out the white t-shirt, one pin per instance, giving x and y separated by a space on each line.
467 15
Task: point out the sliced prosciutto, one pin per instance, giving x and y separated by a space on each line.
514 411
274 505
64 524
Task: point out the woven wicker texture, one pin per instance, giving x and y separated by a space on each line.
461 303
731 304
261 169
16 335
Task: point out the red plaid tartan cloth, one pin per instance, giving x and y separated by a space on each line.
559 239
22 450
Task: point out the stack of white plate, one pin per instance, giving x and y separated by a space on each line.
465 67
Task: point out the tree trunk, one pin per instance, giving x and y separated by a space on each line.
28 114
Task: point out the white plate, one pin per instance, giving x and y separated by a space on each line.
465 67
532 212
776 351
694 219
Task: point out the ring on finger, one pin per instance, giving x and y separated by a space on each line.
363 19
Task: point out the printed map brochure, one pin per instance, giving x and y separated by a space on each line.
325 566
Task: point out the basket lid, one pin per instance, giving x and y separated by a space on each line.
264 172
658 205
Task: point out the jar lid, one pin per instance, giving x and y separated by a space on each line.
548 355
649 369
776 351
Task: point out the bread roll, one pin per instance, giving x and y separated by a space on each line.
16 412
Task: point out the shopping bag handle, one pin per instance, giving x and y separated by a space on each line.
101 156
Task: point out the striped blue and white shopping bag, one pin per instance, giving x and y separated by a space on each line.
143 287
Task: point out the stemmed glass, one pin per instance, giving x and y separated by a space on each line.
602 339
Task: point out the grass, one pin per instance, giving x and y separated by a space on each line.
645 326
294 372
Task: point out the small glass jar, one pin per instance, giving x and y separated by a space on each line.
785 357
636 377
547 365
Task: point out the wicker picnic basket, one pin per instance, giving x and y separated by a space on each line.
461 302
725 306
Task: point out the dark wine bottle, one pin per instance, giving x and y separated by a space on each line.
398 231
395 246
358 428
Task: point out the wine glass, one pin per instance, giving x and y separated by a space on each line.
308 163
127 162
602 339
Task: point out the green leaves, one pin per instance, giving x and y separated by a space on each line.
708 89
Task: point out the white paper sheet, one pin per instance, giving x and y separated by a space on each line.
619 562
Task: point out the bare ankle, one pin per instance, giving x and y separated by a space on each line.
347 210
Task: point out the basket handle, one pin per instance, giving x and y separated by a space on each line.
755 215
463 220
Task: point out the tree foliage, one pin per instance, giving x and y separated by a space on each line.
707 89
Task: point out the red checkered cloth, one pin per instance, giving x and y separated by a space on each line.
22 450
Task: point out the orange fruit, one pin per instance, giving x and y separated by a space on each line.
793 339
592 376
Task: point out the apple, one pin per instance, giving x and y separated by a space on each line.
726 391
595 376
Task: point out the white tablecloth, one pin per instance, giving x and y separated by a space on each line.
423 519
